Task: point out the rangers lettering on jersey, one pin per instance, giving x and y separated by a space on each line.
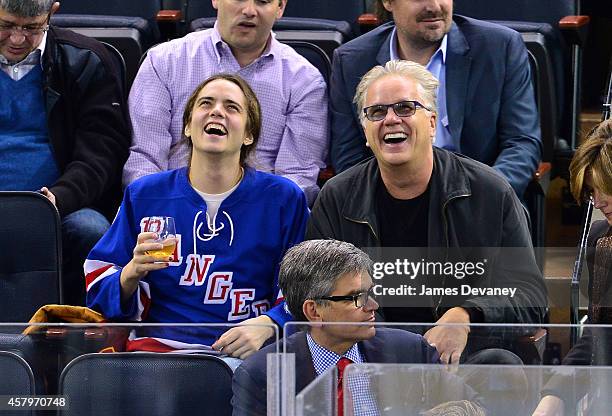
240 309
218 287
196 270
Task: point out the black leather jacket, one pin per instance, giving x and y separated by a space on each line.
470 205
88 121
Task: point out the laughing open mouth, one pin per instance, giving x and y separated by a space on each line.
216 129
247 24
392 138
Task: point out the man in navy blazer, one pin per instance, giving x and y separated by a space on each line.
327 281
486 99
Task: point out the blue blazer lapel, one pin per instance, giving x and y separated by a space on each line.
458 64
384 53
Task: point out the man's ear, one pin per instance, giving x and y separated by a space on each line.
54 8
311 311
363 126
281 8
432 125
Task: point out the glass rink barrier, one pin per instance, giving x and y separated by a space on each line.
377 368
368 368
126 369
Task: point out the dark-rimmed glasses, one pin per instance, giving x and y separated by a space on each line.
404 108
360 299
7 29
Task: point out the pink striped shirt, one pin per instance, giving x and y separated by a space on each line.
292 94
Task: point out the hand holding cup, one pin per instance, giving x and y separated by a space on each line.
165 229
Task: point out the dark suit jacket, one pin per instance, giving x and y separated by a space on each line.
490 100
387 346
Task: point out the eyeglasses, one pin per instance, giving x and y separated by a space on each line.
405 108
7 29
360 299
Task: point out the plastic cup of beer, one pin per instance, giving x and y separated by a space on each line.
166 235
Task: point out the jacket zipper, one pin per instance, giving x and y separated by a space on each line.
437 308
366 223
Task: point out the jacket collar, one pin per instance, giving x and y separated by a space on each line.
449 177
458 64
373 350
384 53
360 206
448 181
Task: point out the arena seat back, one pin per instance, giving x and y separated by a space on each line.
17 380
326 34
31 253
315 55
146 9
144 383
131 36
341 10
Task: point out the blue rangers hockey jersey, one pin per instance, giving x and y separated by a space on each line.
223 270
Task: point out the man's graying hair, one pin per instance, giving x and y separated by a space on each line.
27 8
427 84
311 269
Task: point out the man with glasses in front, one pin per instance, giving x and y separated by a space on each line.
412 194
326 282
64 128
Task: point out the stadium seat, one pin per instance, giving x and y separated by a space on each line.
349 11
142 383
326 34
197 9
143 8
315 55
38 353
341 10
130 26
30 263
130 35
17 380
156 12
121 63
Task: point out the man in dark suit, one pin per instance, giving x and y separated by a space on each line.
326 281
486 103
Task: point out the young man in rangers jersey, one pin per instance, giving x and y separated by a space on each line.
233 225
